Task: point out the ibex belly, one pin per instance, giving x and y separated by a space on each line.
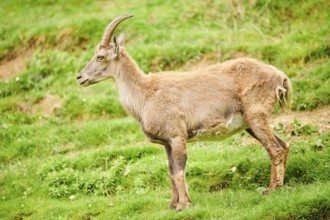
219 130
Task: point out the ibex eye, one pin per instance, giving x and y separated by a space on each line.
100 58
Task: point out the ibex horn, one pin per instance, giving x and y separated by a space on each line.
111 27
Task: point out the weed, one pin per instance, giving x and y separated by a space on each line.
299 129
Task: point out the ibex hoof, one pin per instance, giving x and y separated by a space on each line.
267 192
181 206
173 205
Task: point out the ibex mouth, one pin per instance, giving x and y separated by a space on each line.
82 83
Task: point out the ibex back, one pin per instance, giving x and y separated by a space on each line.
209 104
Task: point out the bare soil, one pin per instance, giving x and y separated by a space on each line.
48 105
14 65
319 118
203 62
211 59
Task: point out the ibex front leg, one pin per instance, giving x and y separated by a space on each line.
175 193
177 155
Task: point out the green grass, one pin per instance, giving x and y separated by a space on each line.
89 148
138 185
309 202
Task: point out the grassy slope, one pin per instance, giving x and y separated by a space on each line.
107 164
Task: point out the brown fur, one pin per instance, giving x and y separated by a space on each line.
216 102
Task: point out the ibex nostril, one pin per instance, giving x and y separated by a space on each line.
78 77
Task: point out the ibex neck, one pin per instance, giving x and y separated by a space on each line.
130 81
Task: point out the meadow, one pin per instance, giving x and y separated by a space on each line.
68 152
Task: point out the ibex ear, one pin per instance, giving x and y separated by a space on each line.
121 39
115 48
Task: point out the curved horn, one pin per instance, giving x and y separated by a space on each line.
111 27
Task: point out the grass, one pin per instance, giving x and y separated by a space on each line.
126 177
89 148
241 204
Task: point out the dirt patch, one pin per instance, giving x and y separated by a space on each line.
205 61
211 59
14 65
48 105
238 54
319 118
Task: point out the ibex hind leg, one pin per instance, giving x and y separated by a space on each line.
282 143
285 146
260 129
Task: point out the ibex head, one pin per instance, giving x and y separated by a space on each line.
103 63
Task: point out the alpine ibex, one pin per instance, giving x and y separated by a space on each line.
209 104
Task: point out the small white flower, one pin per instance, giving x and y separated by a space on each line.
89 205
17 78
84 100
72 197
127 171
22 205
233 169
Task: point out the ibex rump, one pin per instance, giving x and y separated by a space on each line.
208 104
